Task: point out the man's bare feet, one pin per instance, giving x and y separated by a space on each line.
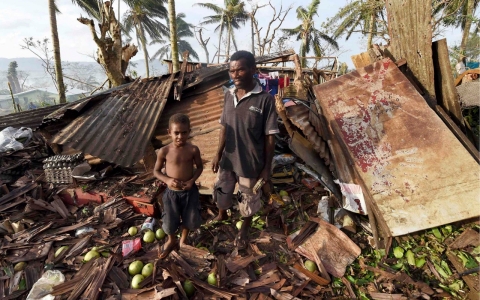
169 246
222 215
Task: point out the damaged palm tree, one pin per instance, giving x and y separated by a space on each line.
110 46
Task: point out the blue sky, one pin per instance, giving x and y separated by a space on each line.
31 20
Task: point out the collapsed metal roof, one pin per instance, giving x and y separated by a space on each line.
29 118
119 129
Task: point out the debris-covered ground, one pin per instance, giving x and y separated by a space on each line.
43 235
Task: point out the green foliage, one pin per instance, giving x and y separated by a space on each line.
183 31
367 17
228 18
307 33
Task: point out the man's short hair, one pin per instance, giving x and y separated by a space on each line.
249 58
179 119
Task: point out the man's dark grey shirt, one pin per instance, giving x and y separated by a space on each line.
246 125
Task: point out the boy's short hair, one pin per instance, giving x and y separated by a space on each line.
248 56
179 119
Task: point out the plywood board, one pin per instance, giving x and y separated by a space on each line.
417 173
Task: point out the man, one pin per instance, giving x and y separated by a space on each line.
246 143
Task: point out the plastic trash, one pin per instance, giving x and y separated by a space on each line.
354 200
83 230
323 209
131 246
14 139
282 160
45 285
148 224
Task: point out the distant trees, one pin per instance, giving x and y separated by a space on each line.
364 16
12 77
228 18
306 32
143 18
183 30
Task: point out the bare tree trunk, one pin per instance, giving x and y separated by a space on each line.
229 36
143 40
220 41
253 35
410 31
203 43
110 53
370 30
173 35
56 52
468 24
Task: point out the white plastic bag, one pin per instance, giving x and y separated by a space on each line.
45 285
14 139
354 200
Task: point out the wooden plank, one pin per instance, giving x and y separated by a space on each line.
235 265
416 172
471 280
361 60
319 280
17 192
445 90
458 133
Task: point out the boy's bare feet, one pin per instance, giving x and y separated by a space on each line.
183 238
169 246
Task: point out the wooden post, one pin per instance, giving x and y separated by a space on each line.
444 84
410 30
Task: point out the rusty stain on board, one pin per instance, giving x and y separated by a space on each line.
417 172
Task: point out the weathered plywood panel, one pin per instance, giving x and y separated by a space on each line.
417 172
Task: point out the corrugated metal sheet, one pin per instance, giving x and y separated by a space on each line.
300 115
204 111
415 173
29 118
119 130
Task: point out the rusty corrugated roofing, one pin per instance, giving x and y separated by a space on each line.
301 116
29 118
119 129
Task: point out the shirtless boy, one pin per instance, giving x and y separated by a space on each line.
181 205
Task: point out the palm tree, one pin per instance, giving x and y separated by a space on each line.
459 14
360 13
173 35
229 18
56 51
307 33
142 17
183 30
91 7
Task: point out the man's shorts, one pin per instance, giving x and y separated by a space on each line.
181 208
248 202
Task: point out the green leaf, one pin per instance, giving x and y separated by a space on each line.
440 271
445 266
420 262
437 233
410 258
476 251
22 284
351 279
467 261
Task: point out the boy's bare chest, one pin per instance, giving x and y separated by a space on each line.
178 157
